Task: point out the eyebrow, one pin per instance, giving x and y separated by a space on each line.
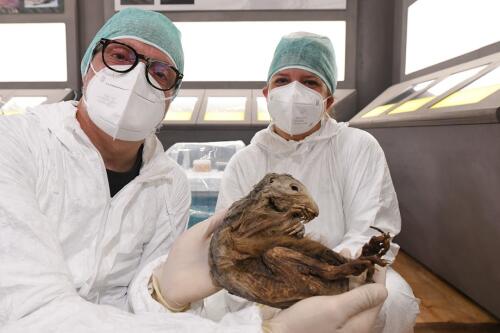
311 77
167 60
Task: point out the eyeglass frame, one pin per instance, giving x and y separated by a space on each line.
104 42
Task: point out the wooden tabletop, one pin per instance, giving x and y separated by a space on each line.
443 308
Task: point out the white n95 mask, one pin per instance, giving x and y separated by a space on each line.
294 108
124 105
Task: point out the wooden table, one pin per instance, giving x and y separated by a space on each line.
442 308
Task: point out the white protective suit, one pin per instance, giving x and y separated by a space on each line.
346 173
72 259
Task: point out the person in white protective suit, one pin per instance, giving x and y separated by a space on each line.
343 168
90 206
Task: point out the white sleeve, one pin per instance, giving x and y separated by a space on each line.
369 198
36 289
177 203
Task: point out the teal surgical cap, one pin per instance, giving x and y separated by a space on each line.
307 51
149 27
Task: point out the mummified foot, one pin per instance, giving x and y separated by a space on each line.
378 245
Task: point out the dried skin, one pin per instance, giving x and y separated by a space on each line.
260 252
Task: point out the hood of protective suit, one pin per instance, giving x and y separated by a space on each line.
275 145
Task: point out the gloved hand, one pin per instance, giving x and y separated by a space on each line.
185 276
188 271
353 311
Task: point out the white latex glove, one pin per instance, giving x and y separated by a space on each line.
354 311
185 276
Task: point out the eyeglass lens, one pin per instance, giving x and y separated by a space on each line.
121 58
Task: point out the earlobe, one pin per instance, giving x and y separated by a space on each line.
329 102
265 91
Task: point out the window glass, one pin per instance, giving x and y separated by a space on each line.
475 92
242 51
33 52
262 112
438 30
451 81
377 111
436 90
181 109
398 98
226 109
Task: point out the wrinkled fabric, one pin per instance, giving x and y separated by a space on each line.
400 309
307 51
68 252
347 175
147 26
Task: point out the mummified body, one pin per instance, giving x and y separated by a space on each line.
260 252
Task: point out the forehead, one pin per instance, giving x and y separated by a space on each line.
296 73
146 49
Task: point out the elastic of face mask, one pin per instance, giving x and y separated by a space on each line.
159 100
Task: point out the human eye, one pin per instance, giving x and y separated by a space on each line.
157 73
311 83
280 81
162 73
160 70
119 55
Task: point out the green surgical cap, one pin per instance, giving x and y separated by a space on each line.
149 27
307 51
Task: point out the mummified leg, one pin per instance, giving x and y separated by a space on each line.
313 249
285 257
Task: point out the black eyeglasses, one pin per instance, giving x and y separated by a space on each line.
122 58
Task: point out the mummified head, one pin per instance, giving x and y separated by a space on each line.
278 205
